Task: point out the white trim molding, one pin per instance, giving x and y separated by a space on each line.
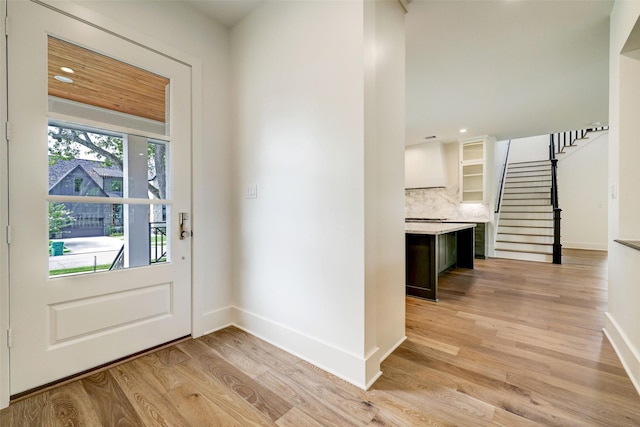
213 321
326 356
628 355
4 215
586 246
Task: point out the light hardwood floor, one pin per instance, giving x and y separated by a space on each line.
510 343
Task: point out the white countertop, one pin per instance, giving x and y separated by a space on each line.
435 228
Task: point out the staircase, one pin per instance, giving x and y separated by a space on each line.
525 226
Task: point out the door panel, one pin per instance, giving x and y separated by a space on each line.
69 323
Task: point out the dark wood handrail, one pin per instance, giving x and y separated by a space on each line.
557 247
504 174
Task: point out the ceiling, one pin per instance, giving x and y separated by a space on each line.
509 69
225 12
505 68
81 75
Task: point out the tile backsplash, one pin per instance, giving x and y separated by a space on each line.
444 203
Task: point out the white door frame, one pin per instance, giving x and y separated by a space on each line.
4 214
134 36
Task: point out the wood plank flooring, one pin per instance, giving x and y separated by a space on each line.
511 343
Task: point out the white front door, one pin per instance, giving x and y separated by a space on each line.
98 190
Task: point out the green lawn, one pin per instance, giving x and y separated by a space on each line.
86 269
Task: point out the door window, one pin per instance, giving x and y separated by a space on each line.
106 186
91 173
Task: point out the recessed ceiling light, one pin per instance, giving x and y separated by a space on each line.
63 79
463 130
430 137
67 70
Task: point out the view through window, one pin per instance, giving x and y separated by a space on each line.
92 174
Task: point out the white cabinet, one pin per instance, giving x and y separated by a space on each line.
473 169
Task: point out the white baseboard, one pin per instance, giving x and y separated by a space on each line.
393 348
627 354
212 321
585 246
339 362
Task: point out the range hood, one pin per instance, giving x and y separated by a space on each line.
425 166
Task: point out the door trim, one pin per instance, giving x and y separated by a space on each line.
4 216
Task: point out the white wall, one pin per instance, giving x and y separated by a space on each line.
623 317
384 183
425 166
304 243
529 149
582 193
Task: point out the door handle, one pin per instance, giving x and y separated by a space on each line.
183 217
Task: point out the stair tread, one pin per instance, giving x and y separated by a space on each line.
545 189
528 192
526 219
523 243
547 197
529 162
527 186
524 252
523 226
527 173
525 234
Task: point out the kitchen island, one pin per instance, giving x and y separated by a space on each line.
433 247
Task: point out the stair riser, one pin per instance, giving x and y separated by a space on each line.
517 238
528 184
538 169
533 209
505 246
528 178
523 229
526 196
506 222
526 215
524 256
542 202
529 164
531 188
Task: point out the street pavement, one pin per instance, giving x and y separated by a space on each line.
86 251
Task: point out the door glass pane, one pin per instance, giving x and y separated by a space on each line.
157 169
98 163
95 237
83 163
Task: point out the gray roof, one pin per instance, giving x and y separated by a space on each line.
109 172
95 169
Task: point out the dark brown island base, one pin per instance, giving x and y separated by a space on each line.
432 248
